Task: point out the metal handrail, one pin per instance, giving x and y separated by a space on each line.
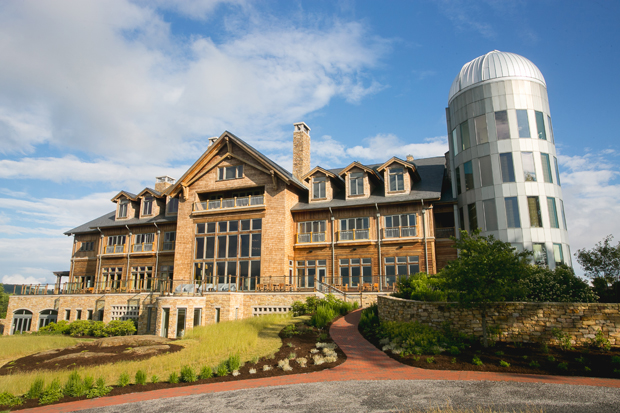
354 234
115 249
228 203
399 232
309 237
142 247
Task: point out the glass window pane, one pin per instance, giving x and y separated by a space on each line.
210 253
257 224
200 228
389 260
563 215
501 125
458 181
221 246
473 217
355 261
540 125
507 167
232 246
255 268
546 165
465 141
557 253
256 244
486 172
553 213
210 227
540 254
482 135
469 175
222 226
401 259
454 142
366 260
233 226
529 170
245 225
550 128
512 212
344 262
557 170
490 214
245 245
533 206
200 248
523 124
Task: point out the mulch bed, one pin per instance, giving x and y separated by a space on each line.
300 344
519 357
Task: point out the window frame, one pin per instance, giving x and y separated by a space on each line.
123 208
147 205
319 187
398 172
222 172
523 123
535 219
356 182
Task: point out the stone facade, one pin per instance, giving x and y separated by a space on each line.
525 322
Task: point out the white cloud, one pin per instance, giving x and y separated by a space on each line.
34 258
591 195
108 78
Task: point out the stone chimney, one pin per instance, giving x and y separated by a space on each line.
301 150
163 182
410 158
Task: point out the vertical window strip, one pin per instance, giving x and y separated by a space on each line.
465 140
523 123
507 167
490 214
473 217
557 170
501 125
486 171
512 212
553 213
534 209
482 133
469 175
547 175
540 125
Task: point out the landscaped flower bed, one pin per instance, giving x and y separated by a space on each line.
424 347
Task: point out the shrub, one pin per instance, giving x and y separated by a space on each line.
74 386
544 348
234 362
453 361
205 373
80 328
120 328
322 337
504 363
563 366
563 338
421 287
52 393
222 369
615 360
454 350
140 377
155 379
7 399
173 378
36 389
99 390
311 304
600 341
289 331
323 315
369 319
292 356
476 361
534 364
60 327
299 308
188 374
550 358
430 360
499 353
416 338
558 285
97 329
123 380
581 360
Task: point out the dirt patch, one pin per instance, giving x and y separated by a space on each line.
523 359
300 344
90 354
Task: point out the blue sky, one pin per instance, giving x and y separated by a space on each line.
100 96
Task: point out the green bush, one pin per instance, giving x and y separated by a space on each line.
290 331
188 374
80 328
563 338
173 378
60 327
600 341
7 399
36 389
615 360
206 373
140 377
421 287
222 369
120 328
234 362
52 393
504 363
476 361
99 389
369 319
563 366
311 304
454 350
299 308
97 329
323 315
430 360
123 380
534 364
74 386
557 285
416 338
155 379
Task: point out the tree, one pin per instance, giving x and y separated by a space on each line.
558 285
602 264
487 271
4 302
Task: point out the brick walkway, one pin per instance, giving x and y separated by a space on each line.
364 362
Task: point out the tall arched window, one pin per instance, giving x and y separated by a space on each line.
47 316
21 321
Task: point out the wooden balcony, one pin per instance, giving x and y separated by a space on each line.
354 235
399 232
310 237
229 203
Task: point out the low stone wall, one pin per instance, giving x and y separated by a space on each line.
527 322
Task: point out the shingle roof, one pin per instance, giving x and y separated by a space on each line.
108 220
431 171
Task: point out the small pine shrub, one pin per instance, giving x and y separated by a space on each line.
188 374
453 361
323 315
99 389
430 360
416 358
615 360
74 386
550 358
222 369
53 392
36 389
534 364
544 348
322 337
586 368
524 357
504 363
123 379
563 338
499 353
205 373
173 378
155 379
140 377
454 350
563 366
89 383
581 360
600 341
7 399
289 331
234 362
476 361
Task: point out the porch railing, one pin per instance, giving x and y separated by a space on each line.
144 247
353 235
399 232
444 232
308 237
115 249
228 203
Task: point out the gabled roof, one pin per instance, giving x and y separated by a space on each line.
220 142
109 220
126 194
322 170
356 164
153 192
409 165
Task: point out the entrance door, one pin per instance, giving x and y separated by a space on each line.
321 274
165 322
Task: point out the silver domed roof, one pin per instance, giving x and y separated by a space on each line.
494 65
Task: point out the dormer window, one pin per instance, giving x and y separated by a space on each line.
147 206
173 205
356 183
397 179
122 209
230 172
318 187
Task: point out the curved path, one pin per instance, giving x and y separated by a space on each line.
367 367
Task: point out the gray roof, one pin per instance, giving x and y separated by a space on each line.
431 171
108 221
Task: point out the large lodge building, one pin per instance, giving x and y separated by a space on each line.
238 236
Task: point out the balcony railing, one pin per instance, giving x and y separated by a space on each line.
168 246
309 237
144 247
228 203
354 234
399 232
115 249
444 232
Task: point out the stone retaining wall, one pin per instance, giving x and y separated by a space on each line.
527 322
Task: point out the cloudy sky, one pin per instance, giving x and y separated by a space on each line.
99 96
